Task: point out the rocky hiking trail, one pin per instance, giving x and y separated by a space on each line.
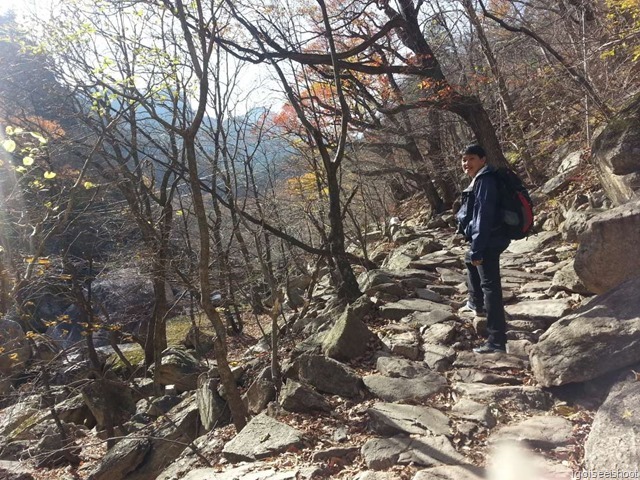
388 388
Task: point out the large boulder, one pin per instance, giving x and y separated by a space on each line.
326 375
615 434
211 406
349 338
616 154
14 348
147 453
609 251
600 337
262 437
297 397
178 367
109 399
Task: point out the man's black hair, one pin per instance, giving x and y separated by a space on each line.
475 149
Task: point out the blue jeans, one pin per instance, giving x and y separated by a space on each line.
485 291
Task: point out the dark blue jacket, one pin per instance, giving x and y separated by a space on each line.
480 217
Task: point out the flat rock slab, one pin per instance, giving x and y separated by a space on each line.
615 433
471 375
438 357
521 276
540 286
451 277
336 452
546 310
426 319
402 308
250 472
262 437
401 368
377 476
489 361
450 472
520 398
533 243
403 344
540 431
405 389
409 273
428 294
382 453
440 333
474 411
394 418
431 262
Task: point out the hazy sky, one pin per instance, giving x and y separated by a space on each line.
23 7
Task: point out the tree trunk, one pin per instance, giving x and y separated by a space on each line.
237 407
347 287
471 111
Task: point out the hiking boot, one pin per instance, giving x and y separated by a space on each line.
468 308
490 348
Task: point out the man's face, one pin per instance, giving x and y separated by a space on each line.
471 164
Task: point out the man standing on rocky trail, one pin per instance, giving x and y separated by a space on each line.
479 220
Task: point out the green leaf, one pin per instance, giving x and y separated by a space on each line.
9 145
27 161
21 169
9 130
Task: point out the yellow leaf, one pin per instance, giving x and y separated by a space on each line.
21 169
13 356
39 137
50 175
44 261
27 161
89 185
9 145
9 130
179 213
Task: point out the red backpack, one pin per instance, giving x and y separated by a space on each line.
515 203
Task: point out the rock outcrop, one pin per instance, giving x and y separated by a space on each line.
609 251
616 154
601 337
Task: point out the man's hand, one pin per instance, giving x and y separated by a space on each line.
476 263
